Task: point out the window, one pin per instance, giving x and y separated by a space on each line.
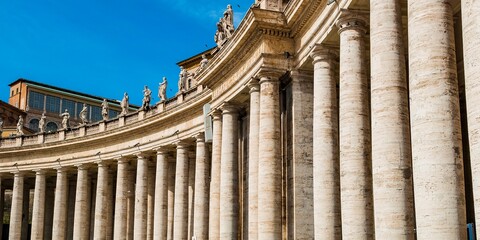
51 127
53 104
12 93
17 90
36 100
33 124
70 105
112 113
96 114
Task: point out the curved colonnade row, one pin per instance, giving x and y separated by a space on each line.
302 147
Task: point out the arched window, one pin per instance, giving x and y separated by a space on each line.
51 127
33 124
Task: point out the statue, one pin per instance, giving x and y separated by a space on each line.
65 120
220 37
1 126
124 104
20 126
41 123
83 114
162 90
225 27
203 63
182 79
147 96
105 109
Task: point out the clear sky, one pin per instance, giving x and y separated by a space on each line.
106 47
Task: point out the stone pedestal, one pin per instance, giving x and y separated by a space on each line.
435 122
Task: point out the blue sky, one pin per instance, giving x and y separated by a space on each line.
105 47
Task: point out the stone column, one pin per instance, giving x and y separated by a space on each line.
326 177
214 208
121 197
102 200
471 54
191 191
269 159
150 199
355 146
435 122
391 152
202 177
49 205
38 216
229 174
59 230
16 212
130 202
81 220
253 142
161 196
180 211
171 198
140 225
2 203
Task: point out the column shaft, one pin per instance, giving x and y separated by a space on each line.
229 174
180 219
202 174
38 216
214 209
269 160
355 146
150 200
435 122
171 198
102 202
15 230
161 197
391 153
140 225
471 53
121 197
59 230
191 191
81 222
253 142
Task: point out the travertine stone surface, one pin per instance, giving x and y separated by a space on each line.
160 223
81 222
326 194
171 198
38 216
121 198
140 223
150 199
191 191
202 177
269 159
355 148
471 54
435 122
15 229
229 174
253 142
60 208
391 153
102 201
49 205
214 209
180 211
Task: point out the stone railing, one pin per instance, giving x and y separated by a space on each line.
101 126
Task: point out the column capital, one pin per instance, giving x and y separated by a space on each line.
181 144
18 173
102 163
122 160
40 172
161 150
216 114
229 108
200 137
352 20
61 169
254 85
324 52
269 74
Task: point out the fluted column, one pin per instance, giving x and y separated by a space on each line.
81 222
253 142
121 198
171 198
471 60
140 224
180 211
102 201
326 177
161 196
38 216
202 177
16 212
229 174
391 153
355 146
214 209
59 230
435 122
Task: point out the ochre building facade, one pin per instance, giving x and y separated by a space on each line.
316 119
